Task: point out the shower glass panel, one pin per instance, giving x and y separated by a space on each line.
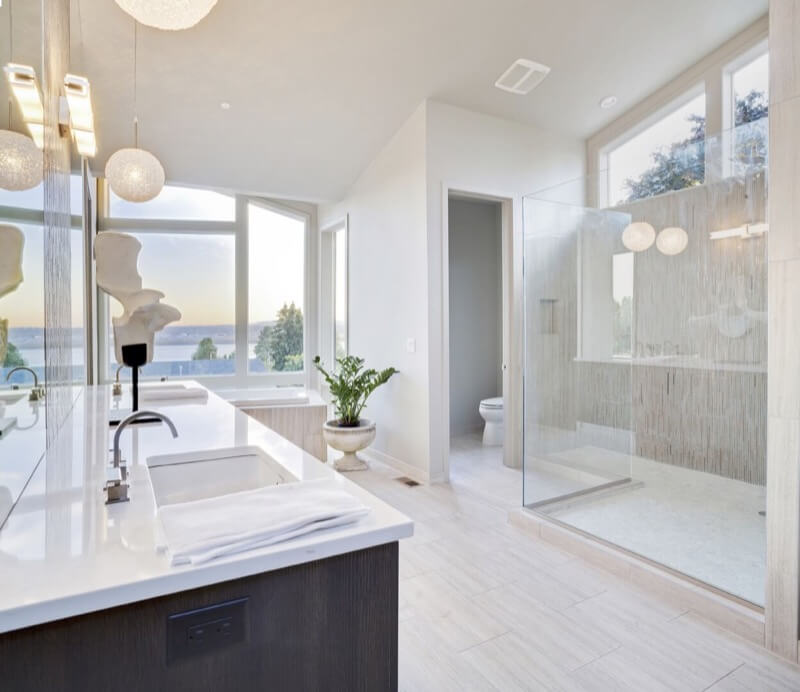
646 362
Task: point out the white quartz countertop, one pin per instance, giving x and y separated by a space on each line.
64 552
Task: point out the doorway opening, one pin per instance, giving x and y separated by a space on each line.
477 351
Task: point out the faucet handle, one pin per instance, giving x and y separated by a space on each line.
116 488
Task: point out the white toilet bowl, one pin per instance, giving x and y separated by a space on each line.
491 411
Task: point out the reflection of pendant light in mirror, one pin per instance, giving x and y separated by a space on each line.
134 174
20 159
170 15
20 162
638 236
672 241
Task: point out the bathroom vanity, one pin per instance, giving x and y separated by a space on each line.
89 602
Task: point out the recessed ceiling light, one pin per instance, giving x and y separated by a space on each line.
608 102
225 106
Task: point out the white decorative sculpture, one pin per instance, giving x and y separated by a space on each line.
117 274
12 243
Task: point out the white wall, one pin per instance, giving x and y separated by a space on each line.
474 152
475 310
396 208
388 292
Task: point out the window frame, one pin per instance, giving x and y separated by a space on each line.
729 71
239 228
710 70
666 110
327 301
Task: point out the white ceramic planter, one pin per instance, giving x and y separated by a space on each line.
349 441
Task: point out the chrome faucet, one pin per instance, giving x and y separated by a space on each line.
117 474
37 392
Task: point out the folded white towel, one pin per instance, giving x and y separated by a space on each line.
202 530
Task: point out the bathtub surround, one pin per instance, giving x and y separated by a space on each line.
782 610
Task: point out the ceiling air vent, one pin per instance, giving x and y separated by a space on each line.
522 76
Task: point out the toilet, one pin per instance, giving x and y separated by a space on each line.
491 411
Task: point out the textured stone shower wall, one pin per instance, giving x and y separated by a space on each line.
57 286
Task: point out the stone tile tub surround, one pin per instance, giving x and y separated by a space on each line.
106 555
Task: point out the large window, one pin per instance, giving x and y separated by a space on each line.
235 267
749 88
196 273
666 156
175 202
276 261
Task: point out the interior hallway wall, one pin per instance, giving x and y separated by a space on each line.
476 305
387 292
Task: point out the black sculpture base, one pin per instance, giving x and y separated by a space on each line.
134 356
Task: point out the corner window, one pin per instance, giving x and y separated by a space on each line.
235 267
276 257
175 202
668 155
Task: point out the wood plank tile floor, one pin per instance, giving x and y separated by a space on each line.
485 606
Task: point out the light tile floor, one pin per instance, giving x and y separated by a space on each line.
485 606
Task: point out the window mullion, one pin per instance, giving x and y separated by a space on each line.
242 285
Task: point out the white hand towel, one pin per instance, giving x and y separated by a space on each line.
202 530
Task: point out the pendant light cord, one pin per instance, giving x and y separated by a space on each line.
135 75
10 51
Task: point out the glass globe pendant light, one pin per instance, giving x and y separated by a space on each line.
169 15
134 174
638 236
672 240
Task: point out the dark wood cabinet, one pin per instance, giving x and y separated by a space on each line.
325 625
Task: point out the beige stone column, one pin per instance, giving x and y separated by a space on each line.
783 463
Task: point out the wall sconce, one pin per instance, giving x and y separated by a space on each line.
81 118
748 230
24 86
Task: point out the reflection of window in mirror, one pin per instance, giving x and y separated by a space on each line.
622 291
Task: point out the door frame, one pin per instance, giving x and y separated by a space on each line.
511 269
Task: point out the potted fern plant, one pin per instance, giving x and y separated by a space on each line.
350 387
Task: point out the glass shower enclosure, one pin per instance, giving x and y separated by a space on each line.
645 407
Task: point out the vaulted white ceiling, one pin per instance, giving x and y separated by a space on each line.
316 87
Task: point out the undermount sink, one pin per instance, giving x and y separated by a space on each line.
200 475
11 397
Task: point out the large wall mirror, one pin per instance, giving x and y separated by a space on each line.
22 414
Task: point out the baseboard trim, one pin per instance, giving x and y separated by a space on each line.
726 611
414 473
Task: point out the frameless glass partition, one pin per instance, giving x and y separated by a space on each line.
646 360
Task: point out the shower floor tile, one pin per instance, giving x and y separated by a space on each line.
705 526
